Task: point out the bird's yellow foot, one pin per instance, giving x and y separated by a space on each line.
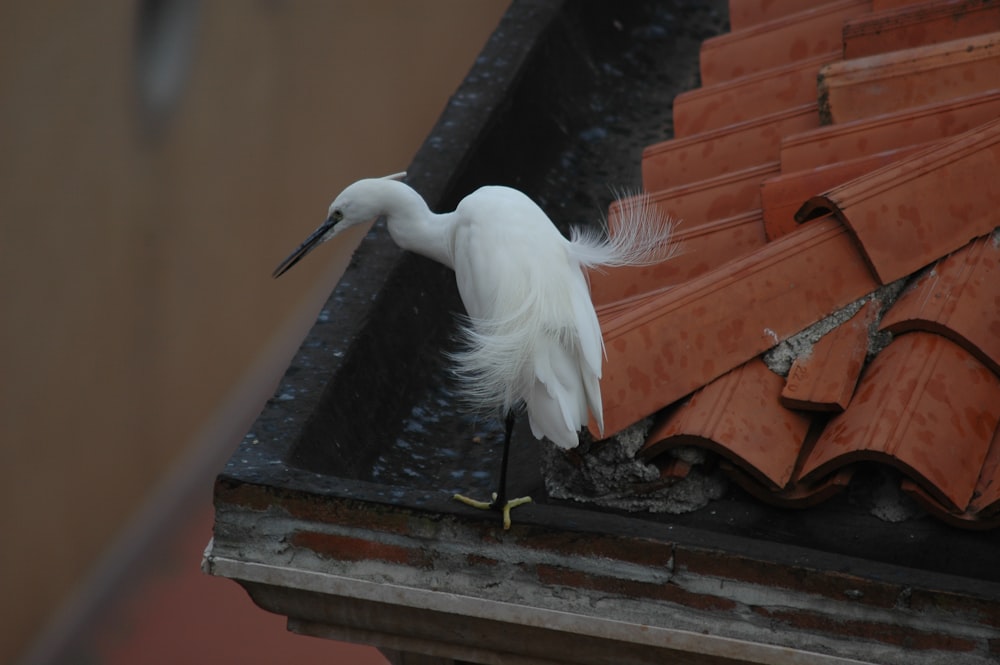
492 505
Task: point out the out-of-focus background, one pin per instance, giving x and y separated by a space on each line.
157 159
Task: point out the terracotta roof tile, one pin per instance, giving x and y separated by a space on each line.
793 495
983 511
968 519
747 13
777 42
739 416
916 25
748 97
924 405
960 299
920 208
986 498
701 247
731 148
863 87
710 199
782 196
885 5
902 186
824 379
683 338
860 138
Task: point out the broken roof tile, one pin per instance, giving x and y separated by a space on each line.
700 248
748 97
958 298
863 87
915 25
914 211
859 138
781 196
925 406
740 417
677 341
777 42
732 148
824 379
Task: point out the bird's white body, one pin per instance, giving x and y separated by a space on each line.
532 335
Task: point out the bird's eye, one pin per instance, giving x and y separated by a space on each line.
336 216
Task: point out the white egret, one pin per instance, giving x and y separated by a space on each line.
531 336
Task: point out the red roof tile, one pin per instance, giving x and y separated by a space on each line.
861 138
793 495
683 338
748 97
739 416
785 39
983 511
899 215
782 196
986 498
916 25
907 171
746 13
701 247
696 203
924 405
824 379
960 299
887 82
732 148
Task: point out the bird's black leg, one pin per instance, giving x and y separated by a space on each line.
500 498
500 501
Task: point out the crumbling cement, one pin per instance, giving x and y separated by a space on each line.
779 359
610 475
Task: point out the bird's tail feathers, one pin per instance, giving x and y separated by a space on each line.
642 235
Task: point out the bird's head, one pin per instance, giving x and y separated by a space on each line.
355 205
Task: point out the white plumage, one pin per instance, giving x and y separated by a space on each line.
531 335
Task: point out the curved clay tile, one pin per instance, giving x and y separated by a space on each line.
699 249
747 13
794 495
914 211
673 343
707 200
924 23
740 417
833 144
986 498
782 196
863 87
959 298
965 520
925 406
731 148
748 97
784 39
824 379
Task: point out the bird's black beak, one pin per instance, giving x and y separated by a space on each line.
314 240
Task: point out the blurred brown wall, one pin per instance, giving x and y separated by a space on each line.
137 238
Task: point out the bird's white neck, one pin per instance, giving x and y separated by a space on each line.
413 226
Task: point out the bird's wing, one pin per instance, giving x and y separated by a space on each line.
533 334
